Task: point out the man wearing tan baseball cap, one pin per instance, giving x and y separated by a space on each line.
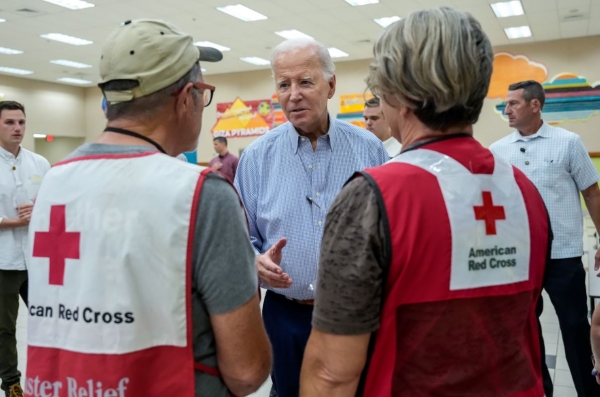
141 295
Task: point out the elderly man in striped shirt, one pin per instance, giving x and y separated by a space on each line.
287 179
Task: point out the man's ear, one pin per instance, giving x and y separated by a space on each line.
184 100
536 105
332 83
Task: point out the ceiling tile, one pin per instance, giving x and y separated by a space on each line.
573 3
333 22
594 27
509 22
532 7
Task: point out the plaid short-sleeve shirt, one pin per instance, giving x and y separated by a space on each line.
558 164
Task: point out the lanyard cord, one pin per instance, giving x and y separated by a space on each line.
136 135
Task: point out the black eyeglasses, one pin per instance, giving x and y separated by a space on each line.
208 92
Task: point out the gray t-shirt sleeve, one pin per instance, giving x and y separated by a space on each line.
224 273
349 282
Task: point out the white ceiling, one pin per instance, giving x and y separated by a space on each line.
333 22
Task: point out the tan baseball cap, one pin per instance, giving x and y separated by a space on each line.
154 53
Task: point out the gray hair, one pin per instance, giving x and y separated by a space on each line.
437 62
146 107
295 45
531 90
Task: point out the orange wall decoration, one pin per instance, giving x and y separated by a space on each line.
509 68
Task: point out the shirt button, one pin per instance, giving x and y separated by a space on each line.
320 223
527 163
310 166
302 139
318 194
14 168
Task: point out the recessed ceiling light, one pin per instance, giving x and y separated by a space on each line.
2 20
71 4
335 53
43 136
518 32
213 45
242 12
361 2
507 9
255 61
63 38
14 71
71 64
74 81
292 34
202 69
387 21
9 51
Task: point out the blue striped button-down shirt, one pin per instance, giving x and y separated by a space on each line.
558 164
277 173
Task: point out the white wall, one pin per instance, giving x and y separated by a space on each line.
58 149
52 109
580 56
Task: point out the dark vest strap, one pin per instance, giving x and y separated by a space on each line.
387 261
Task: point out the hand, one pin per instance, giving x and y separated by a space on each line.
217 166
269 269
25 211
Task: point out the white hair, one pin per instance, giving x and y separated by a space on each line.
295 45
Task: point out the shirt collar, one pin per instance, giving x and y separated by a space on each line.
8 156
332 135
541 133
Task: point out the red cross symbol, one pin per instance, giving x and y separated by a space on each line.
57 244
489 213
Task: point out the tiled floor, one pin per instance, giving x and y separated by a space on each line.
563 384
555 352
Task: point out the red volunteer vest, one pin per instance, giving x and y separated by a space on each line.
469 237
110 274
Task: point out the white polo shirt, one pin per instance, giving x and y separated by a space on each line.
558 164
20 180
392 147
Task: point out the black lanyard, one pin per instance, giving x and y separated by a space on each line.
136 135
424 142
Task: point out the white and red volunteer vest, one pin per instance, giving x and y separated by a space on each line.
110 278
469 240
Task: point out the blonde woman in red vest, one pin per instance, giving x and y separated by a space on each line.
431 265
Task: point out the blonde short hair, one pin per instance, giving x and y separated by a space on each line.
437 62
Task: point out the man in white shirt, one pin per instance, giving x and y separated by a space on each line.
376 123
558 164
21 173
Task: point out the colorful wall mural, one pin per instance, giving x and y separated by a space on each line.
240 119
569 97
352 106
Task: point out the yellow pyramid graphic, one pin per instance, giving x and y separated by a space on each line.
238 116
